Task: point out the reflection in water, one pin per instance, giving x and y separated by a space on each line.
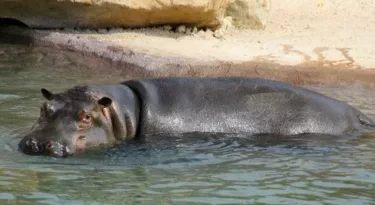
189 169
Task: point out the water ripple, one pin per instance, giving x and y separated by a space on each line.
193 169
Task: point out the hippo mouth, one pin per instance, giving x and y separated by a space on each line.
31 146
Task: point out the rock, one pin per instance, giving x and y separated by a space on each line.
205 34
200 33
219 33
209 33
167 27
195 30
225 27
102 31
181 29
251 14
113 13
188 30
226 23
99 14
116 30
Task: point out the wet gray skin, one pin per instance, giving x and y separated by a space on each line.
87 116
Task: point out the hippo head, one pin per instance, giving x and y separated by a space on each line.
69 122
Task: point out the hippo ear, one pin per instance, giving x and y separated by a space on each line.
105 101
47 94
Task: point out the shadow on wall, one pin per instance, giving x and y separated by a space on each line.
5 23
12 22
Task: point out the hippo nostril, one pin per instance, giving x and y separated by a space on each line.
57 149
49 144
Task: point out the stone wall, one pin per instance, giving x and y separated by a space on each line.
48 14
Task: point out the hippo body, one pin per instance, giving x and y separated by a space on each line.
238 105
170 106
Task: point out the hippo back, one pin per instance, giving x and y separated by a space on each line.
238 105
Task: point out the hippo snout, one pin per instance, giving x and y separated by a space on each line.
32 146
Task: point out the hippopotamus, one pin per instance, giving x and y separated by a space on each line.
87 116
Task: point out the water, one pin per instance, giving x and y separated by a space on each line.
190 170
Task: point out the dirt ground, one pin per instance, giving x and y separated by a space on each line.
328 32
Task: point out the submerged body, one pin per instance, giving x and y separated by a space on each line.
115 113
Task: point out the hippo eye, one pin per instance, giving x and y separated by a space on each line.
84 117
88 117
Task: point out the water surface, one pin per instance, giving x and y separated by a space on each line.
193 169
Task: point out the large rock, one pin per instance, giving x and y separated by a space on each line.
249 13
128 13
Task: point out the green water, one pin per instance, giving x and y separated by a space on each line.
190 170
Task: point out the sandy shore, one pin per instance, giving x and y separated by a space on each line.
330 33
305 42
